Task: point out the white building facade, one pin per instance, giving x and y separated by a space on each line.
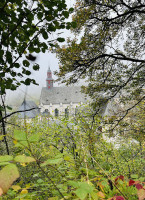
59 101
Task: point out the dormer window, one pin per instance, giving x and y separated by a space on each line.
66 112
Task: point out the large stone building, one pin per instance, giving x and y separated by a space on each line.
60 100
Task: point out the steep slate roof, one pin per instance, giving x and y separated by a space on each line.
28 105
63 95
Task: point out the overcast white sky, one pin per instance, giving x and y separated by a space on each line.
44 60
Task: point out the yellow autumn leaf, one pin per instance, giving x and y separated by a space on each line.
16 187
24 191
15 141
23 164
8 175
29 185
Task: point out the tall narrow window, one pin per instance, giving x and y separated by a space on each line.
66 112
56 112
76 111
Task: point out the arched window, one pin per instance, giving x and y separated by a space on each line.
46 113
56 112
66 112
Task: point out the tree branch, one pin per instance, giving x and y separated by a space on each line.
19 111
126 112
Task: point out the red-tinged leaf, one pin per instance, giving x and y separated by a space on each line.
7 176
131 182
101 194
141 194
119 177
138 186
119 198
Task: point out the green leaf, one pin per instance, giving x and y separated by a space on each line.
94 196
16 65
66 14
27 81
40 15
52 162
24 159
1 108
7 176
40 180
26 63
20 135
6 158
81 193
74 184
142 179
34 138
134 176
45 35
60 39
9 57
53 198
71 9
83 188
51 28
21 144
73 24
36 67
4 163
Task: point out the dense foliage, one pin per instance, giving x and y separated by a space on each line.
25 28
69 159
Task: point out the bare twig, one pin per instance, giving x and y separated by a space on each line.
19 111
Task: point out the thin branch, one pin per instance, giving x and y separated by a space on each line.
126 112
119 56
19 111
4 132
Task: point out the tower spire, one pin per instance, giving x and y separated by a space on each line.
49 79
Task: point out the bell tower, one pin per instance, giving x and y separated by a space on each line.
49 79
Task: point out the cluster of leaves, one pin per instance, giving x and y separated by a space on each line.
110 51
74 162
25 28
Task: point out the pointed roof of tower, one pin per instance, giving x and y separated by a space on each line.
49 70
